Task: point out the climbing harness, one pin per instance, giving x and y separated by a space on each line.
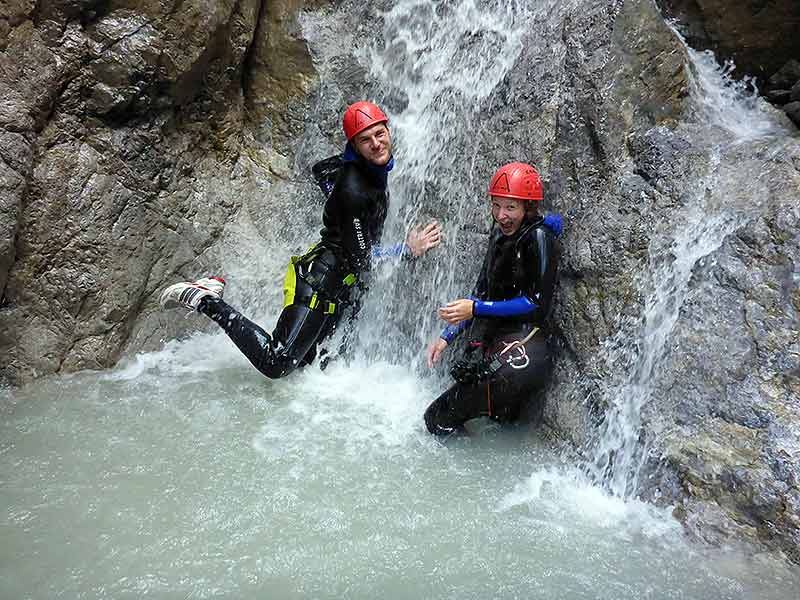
324 286
467 372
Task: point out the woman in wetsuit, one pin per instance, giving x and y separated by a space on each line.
505 319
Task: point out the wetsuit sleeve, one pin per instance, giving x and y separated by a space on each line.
451 332
325 172
397 250
521 305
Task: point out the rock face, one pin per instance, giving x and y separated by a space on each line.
141 144
726 399
122 128
717 432
701 338
760 37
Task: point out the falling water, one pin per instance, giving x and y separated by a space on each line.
443 60
730 117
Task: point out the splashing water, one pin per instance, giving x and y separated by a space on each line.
179 479
446 58
733 105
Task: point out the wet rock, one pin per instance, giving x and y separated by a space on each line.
795 92
15 165
11 191
759 37
120 127
778 97
787 76
280 74
730 447
793 111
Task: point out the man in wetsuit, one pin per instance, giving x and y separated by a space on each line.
325 279
507 358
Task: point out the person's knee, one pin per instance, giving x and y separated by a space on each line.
276 366
430 420
435 422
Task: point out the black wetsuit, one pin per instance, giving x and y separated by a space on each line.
327 277
502 375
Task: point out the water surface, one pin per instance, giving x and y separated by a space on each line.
187 475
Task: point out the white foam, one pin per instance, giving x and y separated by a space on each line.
567 496
200 353
360 402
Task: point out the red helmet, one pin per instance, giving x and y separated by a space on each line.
517 180
361 115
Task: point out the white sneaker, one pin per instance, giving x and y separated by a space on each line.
188 294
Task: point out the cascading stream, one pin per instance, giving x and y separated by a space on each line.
443 60
730 117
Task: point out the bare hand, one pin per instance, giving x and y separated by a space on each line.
457 311
421 239
435 351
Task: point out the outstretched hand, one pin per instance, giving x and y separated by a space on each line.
421 239
457 311
435 351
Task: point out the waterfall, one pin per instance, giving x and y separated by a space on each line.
440 62
732 124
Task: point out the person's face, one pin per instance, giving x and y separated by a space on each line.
374 144
508 213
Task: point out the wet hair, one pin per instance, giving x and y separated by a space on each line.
532 209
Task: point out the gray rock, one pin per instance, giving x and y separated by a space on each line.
795 92
778 97
733 449
120 197
787 76
758 37
793 110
